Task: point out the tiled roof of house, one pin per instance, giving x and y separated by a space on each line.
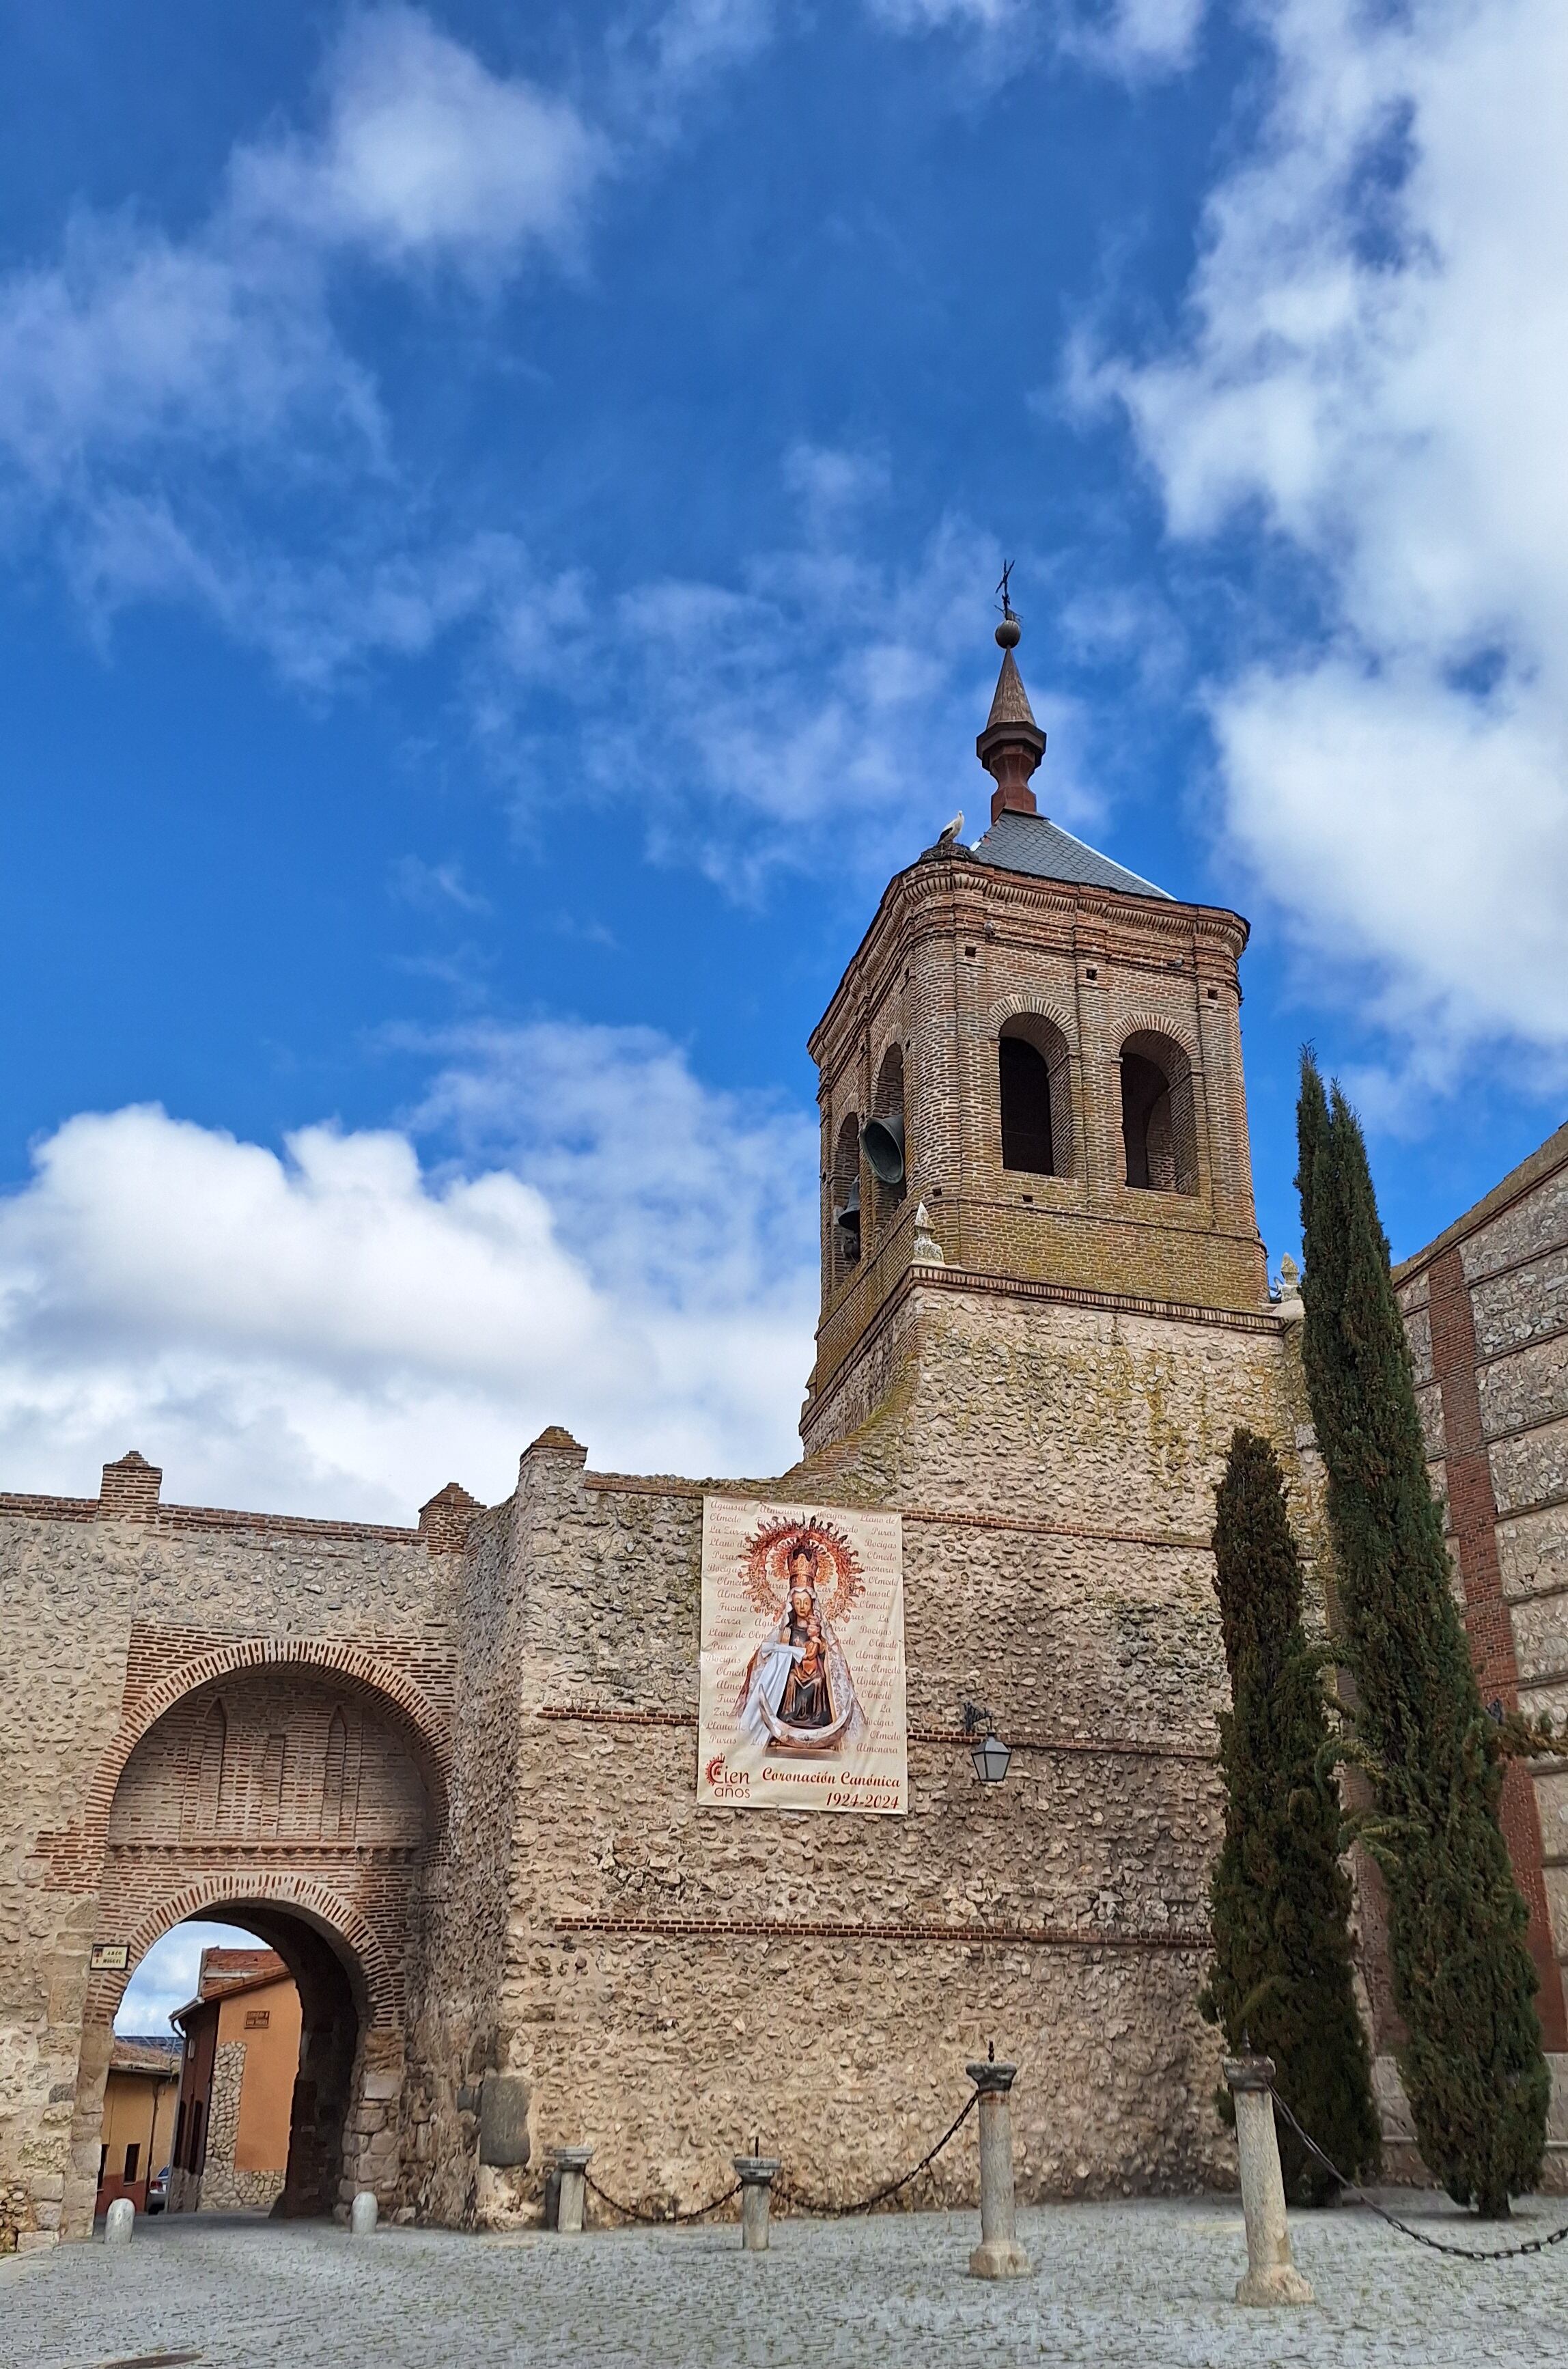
222 1969
139 2052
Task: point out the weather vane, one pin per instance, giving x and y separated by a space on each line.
1002 588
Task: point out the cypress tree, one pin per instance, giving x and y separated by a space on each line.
1280 1898
1463 1980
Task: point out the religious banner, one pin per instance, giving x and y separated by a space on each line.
802 1665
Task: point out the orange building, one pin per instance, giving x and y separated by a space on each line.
237 2085
139 2115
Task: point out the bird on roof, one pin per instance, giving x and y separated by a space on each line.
954 827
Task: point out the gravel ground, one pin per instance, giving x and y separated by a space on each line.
1147 2284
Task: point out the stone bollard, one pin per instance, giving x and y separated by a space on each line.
569 2165
363 2213
1272 2276
120 2222
998 2255
757 2174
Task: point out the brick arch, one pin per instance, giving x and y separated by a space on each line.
328 1656
1159 1023
371 1974
1034 1007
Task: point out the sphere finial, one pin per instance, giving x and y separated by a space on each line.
1009 631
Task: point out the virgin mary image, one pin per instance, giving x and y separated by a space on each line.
797 1695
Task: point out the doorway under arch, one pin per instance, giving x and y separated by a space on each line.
304 1804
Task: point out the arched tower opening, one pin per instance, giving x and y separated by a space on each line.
883 1139
1035 1081
844 1188
1159 1131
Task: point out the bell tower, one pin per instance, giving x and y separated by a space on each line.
1042 1051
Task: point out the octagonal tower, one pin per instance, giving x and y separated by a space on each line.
1058 1042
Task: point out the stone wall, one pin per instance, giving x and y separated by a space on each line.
675 1982
223 2187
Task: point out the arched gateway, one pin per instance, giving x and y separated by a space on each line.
294 1783
293 1793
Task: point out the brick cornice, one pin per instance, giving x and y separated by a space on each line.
1545 1163
935 900
17 1504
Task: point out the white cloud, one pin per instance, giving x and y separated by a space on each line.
223 340
182 419
826 696
435 888
1124 37
167 1976
425 154
1374 375
663 63
342 1330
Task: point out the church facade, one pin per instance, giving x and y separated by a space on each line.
450 1772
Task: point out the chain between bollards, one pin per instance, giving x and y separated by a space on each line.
660 2220
793 2195
998 2256
1437 2245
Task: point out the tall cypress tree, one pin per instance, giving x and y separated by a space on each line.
1280 1898
1463 1980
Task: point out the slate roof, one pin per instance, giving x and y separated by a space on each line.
1020 842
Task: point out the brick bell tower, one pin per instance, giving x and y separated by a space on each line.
1043 1052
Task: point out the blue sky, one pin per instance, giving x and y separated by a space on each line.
498 510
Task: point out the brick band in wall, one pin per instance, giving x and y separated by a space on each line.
1127 1747
933 1516
1473 1513
999 1937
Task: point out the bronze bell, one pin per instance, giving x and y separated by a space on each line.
882 1141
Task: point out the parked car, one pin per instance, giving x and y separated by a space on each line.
158 2190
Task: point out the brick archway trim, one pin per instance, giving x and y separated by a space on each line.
1035 1007
370 1969
329 1654
1174 1029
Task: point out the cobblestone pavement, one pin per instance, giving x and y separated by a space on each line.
1142 2284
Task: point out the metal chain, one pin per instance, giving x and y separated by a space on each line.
659 2220
794 2195
1461 2253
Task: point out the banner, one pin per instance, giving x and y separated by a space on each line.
801 1667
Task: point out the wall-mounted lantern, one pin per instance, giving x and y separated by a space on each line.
990 1760
987 1750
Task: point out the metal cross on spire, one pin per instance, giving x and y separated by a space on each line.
1002 588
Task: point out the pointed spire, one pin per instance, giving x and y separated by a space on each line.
1011 744
1010 704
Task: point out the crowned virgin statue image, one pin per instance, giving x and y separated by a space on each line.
797 1694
